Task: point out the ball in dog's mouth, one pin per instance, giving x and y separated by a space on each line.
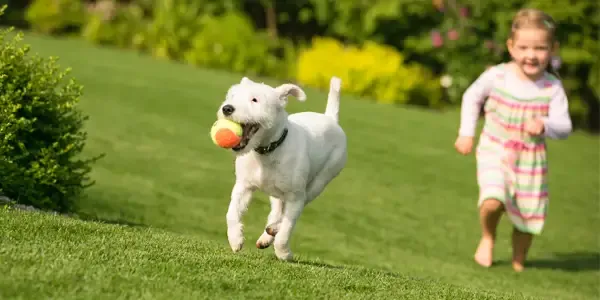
248 131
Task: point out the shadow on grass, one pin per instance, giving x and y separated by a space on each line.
117 221
311 264
581 261
366 271
573 262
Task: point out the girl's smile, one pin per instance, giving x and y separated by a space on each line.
531 50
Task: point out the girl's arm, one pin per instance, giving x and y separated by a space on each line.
557 125
472 100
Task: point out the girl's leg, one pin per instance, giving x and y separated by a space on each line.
521 242
490 212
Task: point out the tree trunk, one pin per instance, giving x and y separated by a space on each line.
271 18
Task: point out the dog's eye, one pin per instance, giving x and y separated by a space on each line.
254 100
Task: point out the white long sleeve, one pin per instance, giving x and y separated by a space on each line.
472 100
558 124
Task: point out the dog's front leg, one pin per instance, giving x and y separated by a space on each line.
240 199
294 204
273 220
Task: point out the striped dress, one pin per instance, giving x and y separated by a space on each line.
512 166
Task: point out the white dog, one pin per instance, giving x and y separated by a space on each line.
290 158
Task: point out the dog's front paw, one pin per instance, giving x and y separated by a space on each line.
283 253
272 229
264 241
236 238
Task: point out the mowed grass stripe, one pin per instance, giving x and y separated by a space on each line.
55 257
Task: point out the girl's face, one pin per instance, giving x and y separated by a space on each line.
531 50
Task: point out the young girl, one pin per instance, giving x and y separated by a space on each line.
524 103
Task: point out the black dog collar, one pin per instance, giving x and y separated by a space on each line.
272 146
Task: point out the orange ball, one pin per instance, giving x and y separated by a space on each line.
226 138
226 133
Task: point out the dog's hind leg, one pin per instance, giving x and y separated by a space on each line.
294 205
273 221
333 167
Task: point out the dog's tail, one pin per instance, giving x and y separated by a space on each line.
333 99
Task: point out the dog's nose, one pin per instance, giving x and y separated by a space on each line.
228 109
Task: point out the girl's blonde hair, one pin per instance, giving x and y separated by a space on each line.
535 18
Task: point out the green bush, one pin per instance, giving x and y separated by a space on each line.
164 29
207 33
231 42
172 26
124 26
41 132
55 16
372 70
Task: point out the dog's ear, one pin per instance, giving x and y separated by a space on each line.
246 80
287 89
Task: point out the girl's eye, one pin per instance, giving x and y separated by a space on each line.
254 100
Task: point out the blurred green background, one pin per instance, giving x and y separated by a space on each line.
423 41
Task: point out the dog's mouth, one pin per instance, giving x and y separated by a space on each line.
248 131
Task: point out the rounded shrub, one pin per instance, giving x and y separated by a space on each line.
41 129
371 70
55 16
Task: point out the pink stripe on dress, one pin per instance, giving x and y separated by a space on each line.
516 212
524 106
517 170
525 147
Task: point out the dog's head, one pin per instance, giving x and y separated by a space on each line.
259 108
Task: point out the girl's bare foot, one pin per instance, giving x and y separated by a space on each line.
490 212
517 266
484 253
521 244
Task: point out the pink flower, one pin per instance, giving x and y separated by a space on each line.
436 39
452 35
464 12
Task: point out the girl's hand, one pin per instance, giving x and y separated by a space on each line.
534 126
464 144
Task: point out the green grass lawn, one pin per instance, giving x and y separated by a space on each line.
399 222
